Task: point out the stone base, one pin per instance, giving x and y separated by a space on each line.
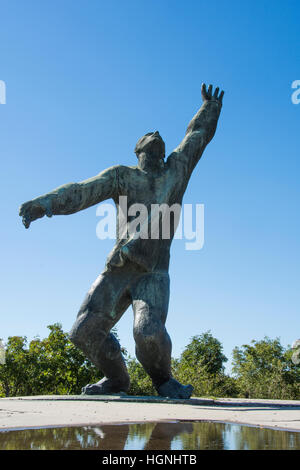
83 410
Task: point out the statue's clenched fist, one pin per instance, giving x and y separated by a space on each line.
32 210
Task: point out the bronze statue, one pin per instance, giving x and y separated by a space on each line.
136 270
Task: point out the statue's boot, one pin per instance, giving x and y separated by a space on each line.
174 389
109 359
106 386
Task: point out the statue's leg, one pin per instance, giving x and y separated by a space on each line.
150 299
103 306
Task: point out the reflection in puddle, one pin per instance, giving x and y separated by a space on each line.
152 436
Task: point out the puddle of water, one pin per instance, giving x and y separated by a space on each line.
152 436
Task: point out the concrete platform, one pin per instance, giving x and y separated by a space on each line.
82 410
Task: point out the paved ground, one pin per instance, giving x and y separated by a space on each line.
41 411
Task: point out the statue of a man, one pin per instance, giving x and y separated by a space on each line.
136 270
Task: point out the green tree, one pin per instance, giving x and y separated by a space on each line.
202 365
13 373
49 366
140 382
204 351
264 369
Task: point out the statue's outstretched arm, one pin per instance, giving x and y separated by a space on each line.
72 197
200 130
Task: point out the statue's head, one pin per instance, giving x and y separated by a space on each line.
151 144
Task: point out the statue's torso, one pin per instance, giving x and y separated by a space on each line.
147 187
136 186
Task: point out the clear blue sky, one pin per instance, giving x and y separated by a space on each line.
84 81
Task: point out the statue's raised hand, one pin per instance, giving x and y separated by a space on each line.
208 95
32 210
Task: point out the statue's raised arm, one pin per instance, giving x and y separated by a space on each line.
200 130
72 197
